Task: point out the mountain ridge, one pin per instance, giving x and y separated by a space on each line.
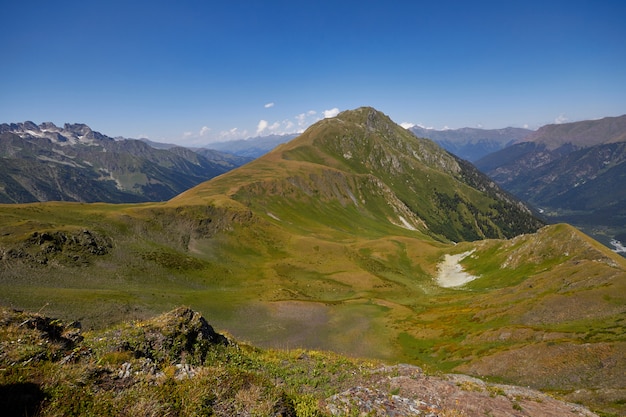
580 134
467 143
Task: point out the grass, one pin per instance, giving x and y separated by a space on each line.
243 278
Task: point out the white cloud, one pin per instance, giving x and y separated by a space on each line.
407 125
331 113
274 127
233 134
303 120
561 119
261 126
278 127
294 124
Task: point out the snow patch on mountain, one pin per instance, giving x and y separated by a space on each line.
450 273
406 224
70 134
619 246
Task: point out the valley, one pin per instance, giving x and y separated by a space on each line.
572 172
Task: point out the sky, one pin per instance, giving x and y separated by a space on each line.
195 72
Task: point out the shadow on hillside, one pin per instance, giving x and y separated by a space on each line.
20 400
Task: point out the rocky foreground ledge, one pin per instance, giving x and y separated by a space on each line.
177 365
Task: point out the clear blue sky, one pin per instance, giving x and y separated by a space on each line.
193 72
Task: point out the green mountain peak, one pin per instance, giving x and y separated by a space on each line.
362 167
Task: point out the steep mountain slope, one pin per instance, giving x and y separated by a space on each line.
573 172
339 240
472 143
74 163
586 179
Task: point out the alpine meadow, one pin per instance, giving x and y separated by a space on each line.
357 238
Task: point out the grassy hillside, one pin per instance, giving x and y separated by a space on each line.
539 295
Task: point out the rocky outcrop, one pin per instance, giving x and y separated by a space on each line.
30 337
59 247
181 335
404 390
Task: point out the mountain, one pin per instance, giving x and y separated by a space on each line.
226 159
251 147
574 172
471 143
74 163
356 237
153 144
363 161
581 134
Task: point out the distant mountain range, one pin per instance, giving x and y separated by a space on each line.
573 172
251 147
74 163
583 134
472 143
